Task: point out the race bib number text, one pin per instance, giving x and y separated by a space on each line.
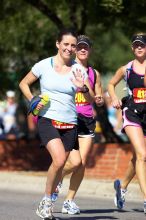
80 99
139 95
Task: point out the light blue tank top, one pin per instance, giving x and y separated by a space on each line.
60 89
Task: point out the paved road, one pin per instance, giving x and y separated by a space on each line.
17 205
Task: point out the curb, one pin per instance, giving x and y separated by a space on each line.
34 182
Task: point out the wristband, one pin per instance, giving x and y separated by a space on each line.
84 89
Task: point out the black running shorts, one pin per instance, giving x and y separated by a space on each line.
86 126
133 118
48 132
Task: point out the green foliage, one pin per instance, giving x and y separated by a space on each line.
29 28
28 38
112 5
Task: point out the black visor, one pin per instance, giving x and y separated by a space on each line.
139 38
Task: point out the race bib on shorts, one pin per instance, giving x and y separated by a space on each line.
139 95
80 99
62 125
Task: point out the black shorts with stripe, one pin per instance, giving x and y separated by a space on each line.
86 125
47 132
133 118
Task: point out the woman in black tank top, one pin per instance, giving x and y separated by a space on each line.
134 116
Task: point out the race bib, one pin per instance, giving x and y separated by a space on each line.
80 99
139 95
62 125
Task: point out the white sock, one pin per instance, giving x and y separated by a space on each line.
47 197
124 190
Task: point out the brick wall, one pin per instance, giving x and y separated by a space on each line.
23 155
105 161
108 161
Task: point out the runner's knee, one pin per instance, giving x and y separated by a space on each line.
76 163
58 163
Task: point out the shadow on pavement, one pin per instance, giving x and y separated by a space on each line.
91 218
91 211
137 210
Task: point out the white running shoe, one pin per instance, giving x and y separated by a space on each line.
55 195
119 199
69 207
44 209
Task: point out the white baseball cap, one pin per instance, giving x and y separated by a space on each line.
10 94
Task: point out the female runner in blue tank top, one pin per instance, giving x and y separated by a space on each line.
134 116
59 77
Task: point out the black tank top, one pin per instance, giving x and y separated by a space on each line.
135 80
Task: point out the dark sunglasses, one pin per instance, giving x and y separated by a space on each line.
83 46
136 44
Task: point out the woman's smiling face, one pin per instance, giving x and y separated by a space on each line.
67 46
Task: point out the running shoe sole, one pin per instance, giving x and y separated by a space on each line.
38 214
